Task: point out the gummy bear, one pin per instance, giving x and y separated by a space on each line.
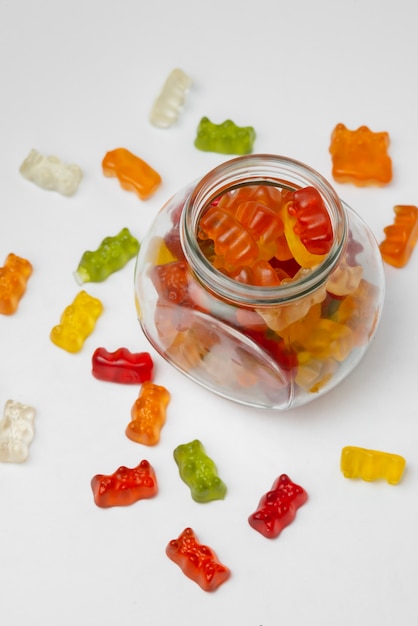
122 366
48 172
232 241
277 508
225 138
371 465
13 279
148 414
401 236
198 562
133 173
125 486
313 223
77 322
167 106
111 256
16 432
360 156
199 472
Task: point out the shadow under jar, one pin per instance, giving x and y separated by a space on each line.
259 283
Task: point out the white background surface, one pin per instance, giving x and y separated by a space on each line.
78 79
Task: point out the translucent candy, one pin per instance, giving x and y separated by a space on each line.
225 138
167 106
278 507
125 486
360 156
13 279
401 236
148 414
199 472
132 172
371 465
16 432
77 322
112 255
198 562
48 172
345 279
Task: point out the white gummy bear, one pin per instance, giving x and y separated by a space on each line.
50 173
166 108
17 429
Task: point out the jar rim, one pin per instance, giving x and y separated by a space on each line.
266 169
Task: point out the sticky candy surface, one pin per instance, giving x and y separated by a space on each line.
17 428
122 366
111 256
278 507
199 472
48 172
125 486
225 138
148 414
197 561
372 465
167 106
401 236
14 276
77 322
360 156
133 173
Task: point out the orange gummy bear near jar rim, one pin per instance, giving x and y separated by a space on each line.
221 295
360 156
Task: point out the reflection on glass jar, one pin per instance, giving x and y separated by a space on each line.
259 283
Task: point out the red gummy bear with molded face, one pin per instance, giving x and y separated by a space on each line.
313 223
125 486
277 508
198 562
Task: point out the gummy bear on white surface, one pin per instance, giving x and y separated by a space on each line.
48 172
17 429
166 108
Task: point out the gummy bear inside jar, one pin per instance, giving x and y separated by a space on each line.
265 235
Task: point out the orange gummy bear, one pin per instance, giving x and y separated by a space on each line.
148 414
13 278
133 173
360 156
401 236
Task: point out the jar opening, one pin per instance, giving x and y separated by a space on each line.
234 221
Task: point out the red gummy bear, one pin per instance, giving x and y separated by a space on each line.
277 508
122 366
198 562
313 225
125 486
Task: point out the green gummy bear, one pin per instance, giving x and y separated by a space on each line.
199 472
112 255
225 138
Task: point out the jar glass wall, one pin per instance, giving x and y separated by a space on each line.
251 299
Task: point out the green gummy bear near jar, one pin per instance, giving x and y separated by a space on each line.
225 138
238 290
199 472
111 256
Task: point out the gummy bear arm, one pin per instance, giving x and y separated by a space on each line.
81 275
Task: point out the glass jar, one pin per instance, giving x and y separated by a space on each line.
258 293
